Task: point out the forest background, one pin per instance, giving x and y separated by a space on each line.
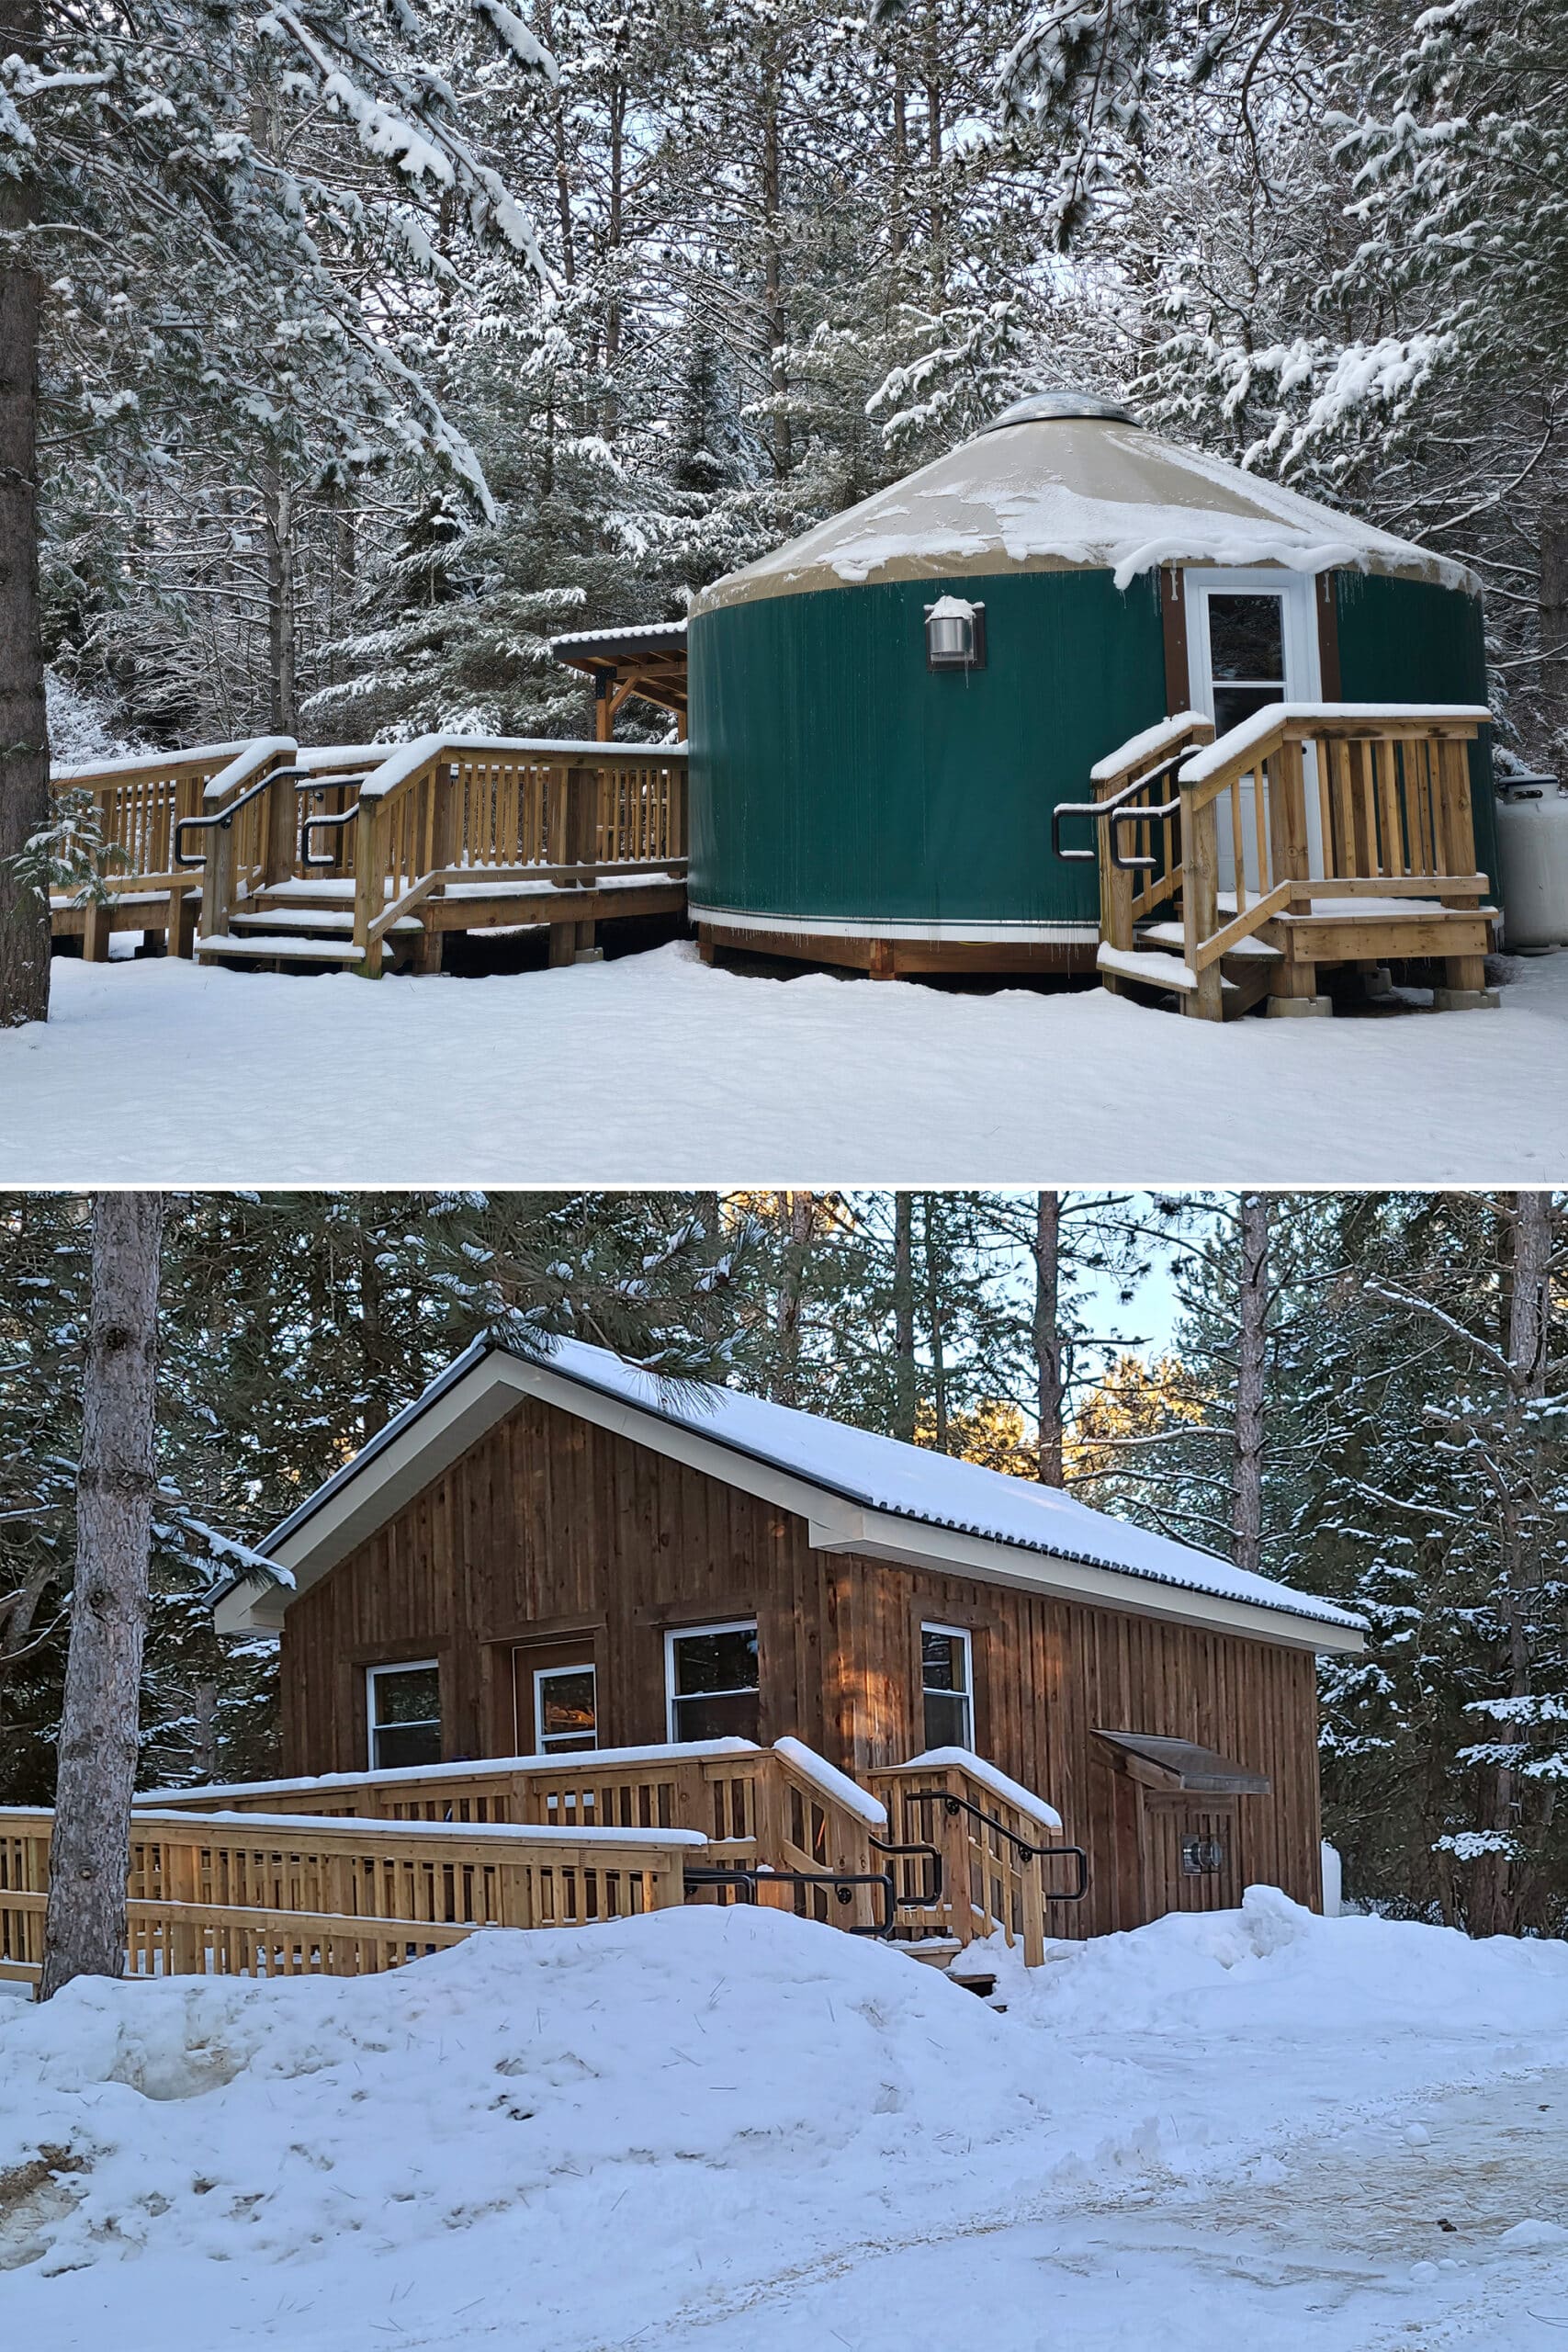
377 343
1365 1396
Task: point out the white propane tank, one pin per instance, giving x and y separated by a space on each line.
1532 861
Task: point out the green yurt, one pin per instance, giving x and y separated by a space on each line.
885 712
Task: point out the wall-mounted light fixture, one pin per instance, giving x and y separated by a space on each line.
955 634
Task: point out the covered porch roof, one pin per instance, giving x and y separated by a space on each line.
648 658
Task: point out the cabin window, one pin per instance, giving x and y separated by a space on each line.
947 1684
712 1678
405 1715
1247 655
566 1709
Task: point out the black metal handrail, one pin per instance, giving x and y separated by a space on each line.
1113 811
310 825
223 818
929 1893
1133 863
745 1878
1025 1851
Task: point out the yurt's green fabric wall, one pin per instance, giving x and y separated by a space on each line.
1403 640
834 776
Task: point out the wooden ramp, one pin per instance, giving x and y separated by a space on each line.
359 1872
269 853
1312 836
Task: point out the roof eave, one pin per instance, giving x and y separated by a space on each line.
485 1383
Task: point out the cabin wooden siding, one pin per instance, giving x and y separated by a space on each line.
550 1527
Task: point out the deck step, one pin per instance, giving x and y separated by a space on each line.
1171 935
935 1950
1156 971
280 947
300 917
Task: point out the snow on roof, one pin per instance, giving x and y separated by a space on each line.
589 640
1074 492
878 1473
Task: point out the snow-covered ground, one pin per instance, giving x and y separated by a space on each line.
656 1069
738 2133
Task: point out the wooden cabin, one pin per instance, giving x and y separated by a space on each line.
537 1558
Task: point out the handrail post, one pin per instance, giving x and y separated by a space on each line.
1115 897
369 885
217 882
1201 903
579 842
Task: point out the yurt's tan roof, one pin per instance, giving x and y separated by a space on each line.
1074 492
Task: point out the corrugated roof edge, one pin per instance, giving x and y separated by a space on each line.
1309 1606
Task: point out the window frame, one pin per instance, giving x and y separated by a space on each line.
964 1635
397 1665
673 1634
542 1674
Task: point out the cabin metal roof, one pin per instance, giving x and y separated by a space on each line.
983 1522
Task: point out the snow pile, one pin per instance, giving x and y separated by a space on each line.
717 2126
563 2076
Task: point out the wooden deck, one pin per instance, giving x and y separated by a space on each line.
1312 836
359 1872
269 853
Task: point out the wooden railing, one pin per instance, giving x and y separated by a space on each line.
990 1838
444 812
140 802
291 1895
1140 815
1391 802
449 811
781 1808
1301 802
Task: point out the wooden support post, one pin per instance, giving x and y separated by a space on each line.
96 924
370 885
1115 904
217 882
1201 904
581 850
280 833
883 962
181 935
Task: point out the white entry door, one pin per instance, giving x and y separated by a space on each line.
1252 639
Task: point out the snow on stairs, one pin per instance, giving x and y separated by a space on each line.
302 931
1158 963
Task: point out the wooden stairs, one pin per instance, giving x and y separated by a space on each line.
1311 836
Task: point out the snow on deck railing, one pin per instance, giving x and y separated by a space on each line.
833 1783
1382 715
261 751
476 1768
963 1759
406 760
1166 735
523 1832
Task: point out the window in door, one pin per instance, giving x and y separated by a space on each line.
947 1685
1246 656
404 1707
566 1709
712 1680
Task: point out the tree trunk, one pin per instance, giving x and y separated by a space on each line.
277 520
905 1397
801 1211
1501 1881
85 1923
934 1318
772 267
24 732
1552 594
1252 1314
1047 1336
